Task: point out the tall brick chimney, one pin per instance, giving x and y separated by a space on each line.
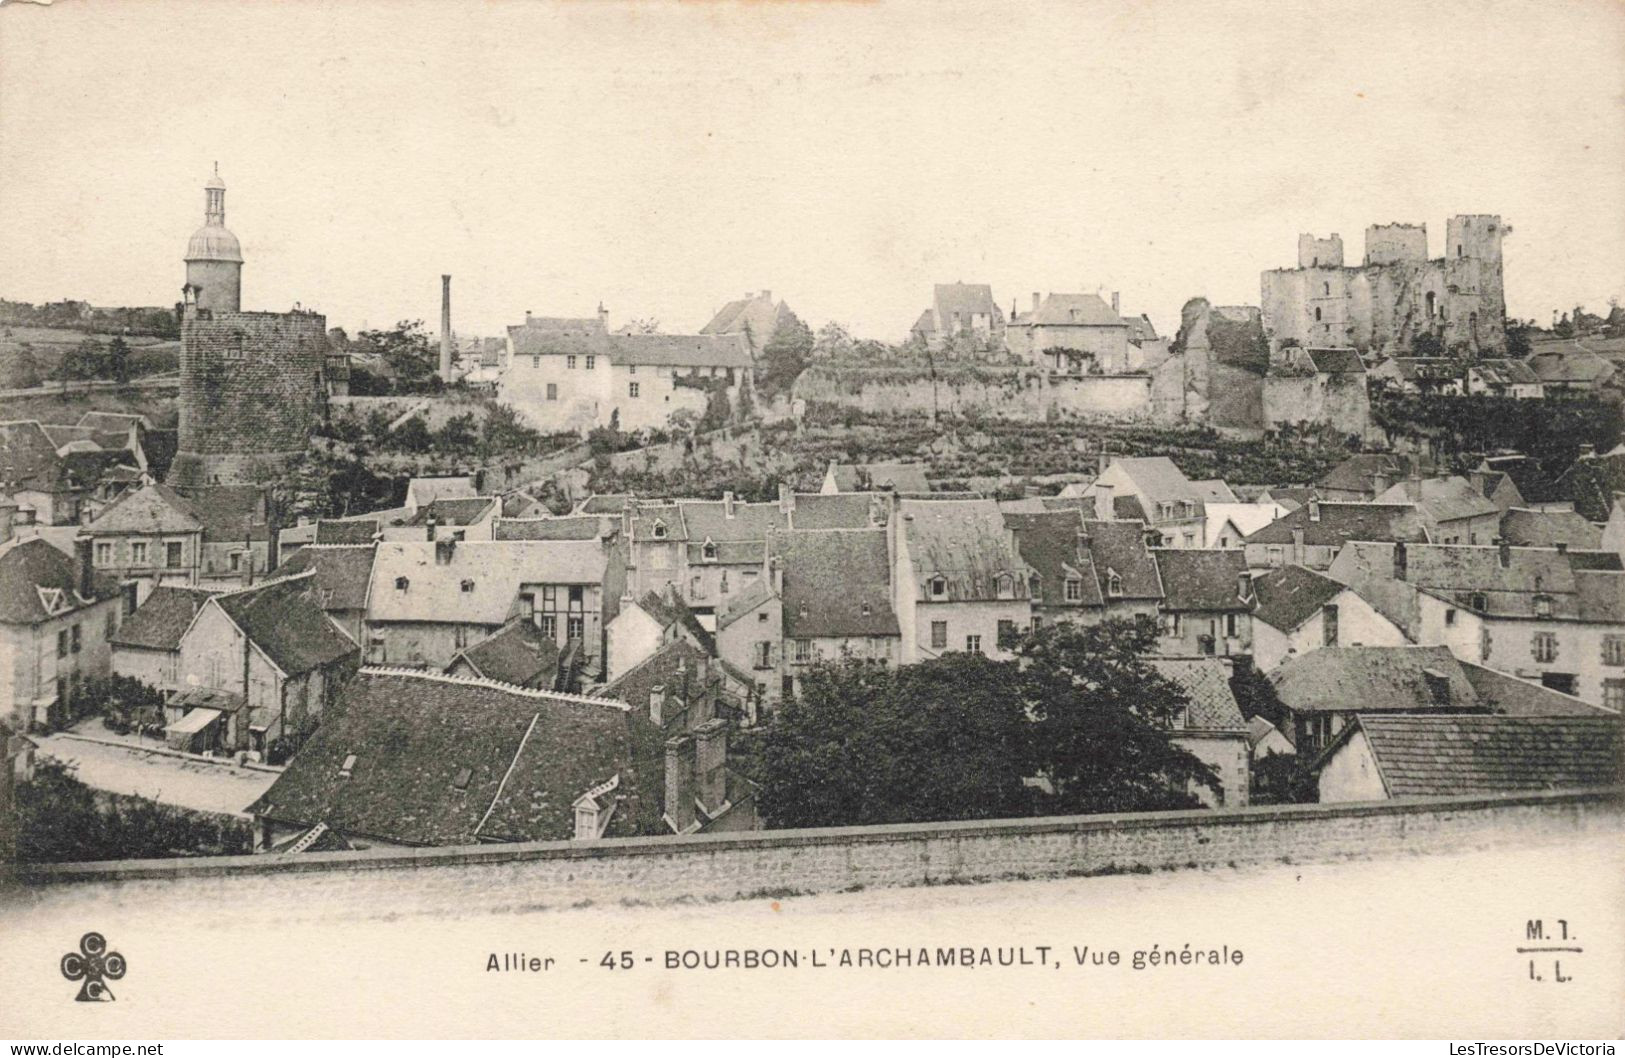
710 764
445 328
680 783
85 577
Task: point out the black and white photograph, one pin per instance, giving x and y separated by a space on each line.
735 519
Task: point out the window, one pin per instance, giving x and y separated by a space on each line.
1230 625
631 389
1176 718
1478 601
1613 650
62 643
535 362
1170 624
763 654
1275 558
803 650
1007 586
939 587
1038 622
1545 647
761 618
1543 606
104 553
708 551
401 584
1326 288
527 607
112 623
939 635
575 627
1613 694
577 594
234 561
1007 634
1450 617
467 586
550 625
722 584
659 531
570 363
552 391
1328 626
460 634
631 369
1074 589
138 553
973 644
1317 315
592 362
172 554
696 587
1114 584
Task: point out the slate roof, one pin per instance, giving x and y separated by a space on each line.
1442 499
492 570
661 350
669 609
744 601
926 324
1049 542
424 491
1576 367
517 653
967 299
26 567
1527 528
1119 547
282 619
1214 490
160 621
231 512
342 573
1337 361
1246 517
356 531
1195 579
1339 523
1291 595
1504 693
1530 478
461 511
1206 682
1428 756
605 503
1582 585
965 542
1358 472
1505 372
840 510
866 477
758 316
28 459
1258 729
527 755
113 421
569 527
1157 477
1074 310
1372 679
837 583
1591 483
154 508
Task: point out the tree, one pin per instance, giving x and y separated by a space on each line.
1427 344
1518 339
25 369
832 342
944 739
83 361
784 356
412 435
458 434
406 349
118 359
643 325
1102 717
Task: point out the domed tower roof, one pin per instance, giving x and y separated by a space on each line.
213 242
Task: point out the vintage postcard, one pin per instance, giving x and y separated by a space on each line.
892 519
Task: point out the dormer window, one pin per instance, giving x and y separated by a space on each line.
467 586
708 551
1543 606
939 587
865 609
659 530
1074 589
1114 584
1478 602
1035 584
1006 586
401 584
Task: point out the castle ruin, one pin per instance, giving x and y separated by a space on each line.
1384 304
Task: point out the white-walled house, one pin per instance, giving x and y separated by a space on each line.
1300 610
959 582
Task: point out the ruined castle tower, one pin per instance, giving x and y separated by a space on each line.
251 382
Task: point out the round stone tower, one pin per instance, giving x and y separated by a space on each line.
214 260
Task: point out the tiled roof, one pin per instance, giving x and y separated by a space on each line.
604 503
967 299
154 508
1530 478
1358 472
461 511
1442 499
1157 478
966 543
517 653
668 515
1258 729
1527 528
839 510
231 512
867 477
356 531
663 350
1337 361
282 619
1428 756
422 491
1119 547
1214 490
1519 697
479 581
1289 596
744 602
160 621
1206 682
113 422
1458 572
1050 543
837 582
1194 579
1077 310
444 761
342 573
669 609
1569 368
1505 372
27 457
1328 524
569 527
758 316
750 522
926 324
32 571
1373 679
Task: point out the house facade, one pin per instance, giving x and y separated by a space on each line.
56 615
959 582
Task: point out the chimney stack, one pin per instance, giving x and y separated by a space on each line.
728 504
8 518
1114 303
1105 505
428 528
1506 552
1297 546
445 328
775 570
1314 510
443 550
657 705
86 579
711 764
1035 301
680 783
603 317
787 498
1401 560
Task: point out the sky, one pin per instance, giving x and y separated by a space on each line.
665 157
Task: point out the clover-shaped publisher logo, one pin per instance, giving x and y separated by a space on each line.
95 966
